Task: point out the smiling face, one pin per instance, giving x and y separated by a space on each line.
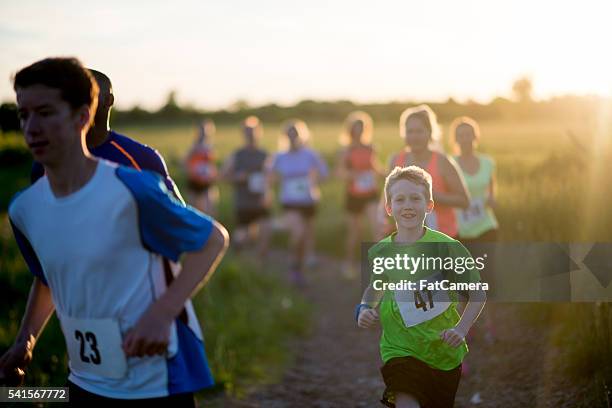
52 129
408 204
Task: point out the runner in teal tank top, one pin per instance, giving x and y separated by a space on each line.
477 222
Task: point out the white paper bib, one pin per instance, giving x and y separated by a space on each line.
298 188
475 212
94 346
417 307
365 182
257 183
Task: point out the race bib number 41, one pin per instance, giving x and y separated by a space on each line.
94 346
419 306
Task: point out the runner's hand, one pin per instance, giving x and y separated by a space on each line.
150 335
14 362
367 318
452 337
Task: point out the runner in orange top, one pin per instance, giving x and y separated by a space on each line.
420 130
358 166
202 171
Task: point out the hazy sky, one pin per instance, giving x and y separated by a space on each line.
285 51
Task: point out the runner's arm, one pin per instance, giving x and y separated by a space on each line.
458 195
341 171
377 166
455 336
227 170
491 199
198 267
475 304
150 335
170 228
321 172
367 316
39 309
272 178
371 296
40 303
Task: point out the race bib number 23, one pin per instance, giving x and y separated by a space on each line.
95 346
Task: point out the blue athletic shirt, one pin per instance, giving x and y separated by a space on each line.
120 149
97 250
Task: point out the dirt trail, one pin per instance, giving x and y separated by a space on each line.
338 365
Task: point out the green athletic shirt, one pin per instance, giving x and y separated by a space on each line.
421 341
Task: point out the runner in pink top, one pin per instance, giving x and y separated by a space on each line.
420 130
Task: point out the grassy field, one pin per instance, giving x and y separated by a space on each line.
551 187
544 178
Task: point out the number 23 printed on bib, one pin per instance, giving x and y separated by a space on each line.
95 346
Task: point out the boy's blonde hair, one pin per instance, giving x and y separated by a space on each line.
411 173
427 116
366 134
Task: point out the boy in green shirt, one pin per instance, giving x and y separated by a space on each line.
423 339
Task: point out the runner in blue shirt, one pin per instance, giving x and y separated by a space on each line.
110 145
120 321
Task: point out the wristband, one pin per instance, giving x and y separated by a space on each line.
358 310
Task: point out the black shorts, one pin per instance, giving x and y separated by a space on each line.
357 204
78 397
247 216
431 387
306 211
